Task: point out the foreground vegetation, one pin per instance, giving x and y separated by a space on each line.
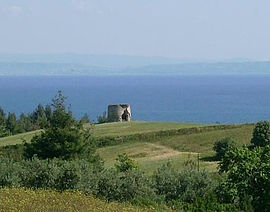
25 200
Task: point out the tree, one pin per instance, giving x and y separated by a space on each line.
222 146
261 134
26 123
85 119
65 138
2 117
48 112
248 176
39 117
102 118
12 124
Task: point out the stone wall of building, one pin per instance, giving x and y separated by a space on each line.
119 113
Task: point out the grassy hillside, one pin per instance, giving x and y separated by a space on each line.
129 128
179 149
154 143
110 129
13 199
17 139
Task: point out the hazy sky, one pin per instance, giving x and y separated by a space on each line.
187 29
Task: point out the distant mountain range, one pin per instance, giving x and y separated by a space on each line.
70 64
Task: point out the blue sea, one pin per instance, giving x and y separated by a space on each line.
204 99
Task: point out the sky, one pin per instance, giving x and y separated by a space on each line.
184 29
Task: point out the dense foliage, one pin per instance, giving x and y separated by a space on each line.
63 138
222 146
248 178
184 186
261 134
10 124
187 189
40 118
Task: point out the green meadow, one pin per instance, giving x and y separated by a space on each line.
181 143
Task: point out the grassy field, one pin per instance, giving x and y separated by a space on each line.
17 139
178 149
129 128
150 154
25 200
110 129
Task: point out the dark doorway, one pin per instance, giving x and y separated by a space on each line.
125 116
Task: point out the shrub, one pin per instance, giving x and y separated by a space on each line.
184 186
123 186
205 203
248 177
261 134
222 146
124 163
10 173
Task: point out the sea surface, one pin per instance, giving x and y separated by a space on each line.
204 99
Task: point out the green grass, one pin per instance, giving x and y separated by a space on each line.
150 153
178 149
129 128
109 129
17 139
150 156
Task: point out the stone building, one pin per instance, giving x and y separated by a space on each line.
119 113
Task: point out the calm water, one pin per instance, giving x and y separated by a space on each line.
230 99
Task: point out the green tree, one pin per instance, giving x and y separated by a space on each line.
39 117
261 134
102 118
48 112
222 146
2 117
12 124
248 177
85 119
26 123
65 138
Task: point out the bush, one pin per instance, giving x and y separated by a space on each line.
53 174
222 146
124 163
184 186
261 134
123 186
205 203
248 177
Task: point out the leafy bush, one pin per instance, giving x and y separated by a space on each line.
206 203
184 186
13 152
123 186
222 146
261 134
248 177
10 173
124 163
52 174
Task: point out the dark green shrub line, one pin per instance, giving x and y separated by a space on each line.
150 136
124 183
